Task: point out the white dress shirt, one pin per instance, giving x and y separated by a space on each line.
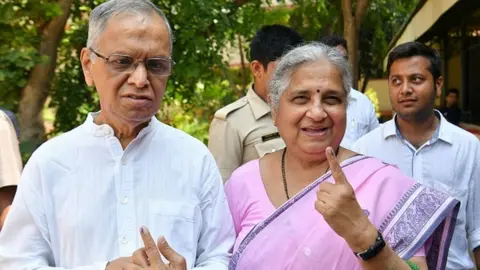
83 199
448 162
361 118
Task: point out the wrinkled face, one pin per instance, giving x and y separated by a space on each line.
412 88
452 99
312 111
128 97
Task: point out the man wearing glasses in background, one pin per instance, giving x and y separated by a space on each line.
86 195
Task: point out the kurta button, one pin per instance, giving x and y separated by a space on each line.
125 200
124 240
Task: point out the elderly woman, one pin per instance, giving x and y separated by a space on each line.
315 205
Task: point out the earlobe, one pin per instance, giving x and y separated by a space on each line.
439 86
86 66
256 68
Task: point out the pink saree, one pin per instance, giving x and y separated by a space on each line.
409 215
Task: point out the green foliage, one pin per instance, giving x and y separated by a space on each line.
316 18
20 22
202 80
383 19
70 96
202 31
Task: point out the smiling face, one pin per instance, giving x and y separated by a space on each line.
130 98
312 111
412 87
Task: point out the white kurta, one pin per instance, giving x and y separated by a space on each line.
82 200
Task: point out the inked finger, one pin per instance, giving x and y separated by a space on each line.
151 248
335 167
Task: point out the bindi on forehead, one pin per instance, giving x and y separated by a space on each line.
318 90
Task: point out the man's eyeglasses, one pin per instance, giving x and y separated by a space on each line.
160 66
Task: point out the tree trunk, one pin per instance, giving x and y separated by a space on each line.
365 83
243 65
350 34
37 89
351 31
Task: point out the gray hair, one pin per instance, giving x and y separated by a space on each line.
101 14
296 57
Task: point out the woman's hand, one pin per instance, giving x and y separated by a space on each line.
339 207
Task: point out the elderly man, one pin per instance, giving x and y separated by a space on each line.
86 195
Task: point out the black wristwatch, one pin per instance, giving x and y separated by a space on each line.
372 251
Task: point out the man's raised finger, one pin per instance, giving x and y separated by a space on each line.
150 247
335 167
171 255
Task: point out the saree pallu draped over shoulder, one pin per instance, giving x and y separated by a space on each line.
410 216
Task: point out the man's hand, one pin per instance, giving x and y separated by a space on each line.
149 257
123 263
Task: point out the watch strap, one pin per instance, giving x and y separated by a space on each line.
372 251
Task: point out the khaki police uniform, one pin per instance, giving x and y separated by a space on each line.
242 131
10 161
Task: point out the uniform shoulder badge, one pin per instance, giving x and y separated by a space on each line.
225 111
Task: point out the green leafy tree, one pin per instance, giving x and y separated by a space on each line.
383 21
31 31
41 40
379 21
